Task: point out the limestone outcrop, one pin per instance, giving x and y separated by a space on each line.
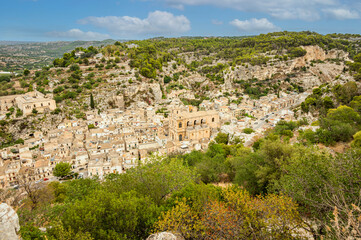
118 101
9 223
315 53
165 236
157 92
316 74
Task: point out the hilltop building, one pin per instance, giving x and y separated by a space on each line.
27 102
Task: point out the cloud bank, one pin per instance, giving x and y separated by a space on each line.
308 10
341 13
157 23
77 34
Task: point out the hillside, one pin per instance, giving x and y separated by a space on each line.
210 138
193 70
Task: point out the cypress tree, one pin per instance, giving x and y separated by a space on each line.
92 104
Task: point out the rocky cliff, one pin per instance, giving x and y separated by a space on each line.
310 75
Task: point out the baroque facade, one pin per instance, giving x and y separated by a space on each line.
193 125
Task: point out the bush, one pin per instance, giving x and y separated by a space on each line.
74 67
284 128
248 130
58 98
237 216
222 138
19 113
5 78
58 90
26 72
30 232
56 111
356 140
297 52
167 79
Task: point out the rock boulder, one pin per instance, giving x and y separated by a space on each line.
9 223
165 236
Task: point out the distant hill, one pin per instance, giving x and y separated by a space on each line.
14 42
17 55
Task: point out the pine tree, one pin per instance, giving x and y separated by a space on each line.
92 104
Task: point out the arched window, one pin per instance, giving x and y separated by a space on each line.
203 121
180 125
195 122
180 137
188 123
212 119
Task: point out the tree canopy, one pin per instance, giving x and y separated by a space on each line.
62 169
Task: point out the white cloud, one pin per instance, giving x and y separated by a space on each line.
296 13
217 22
341 13
77 34
283 9
157 23
254 25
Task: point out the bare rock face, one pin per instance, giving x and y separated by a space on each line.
118 101
317 74
259 72
228 81
157 92
315 53
9 223
165 236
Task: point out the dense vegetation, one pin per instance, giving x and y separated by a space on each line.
335 124
285 187
154 53
355 67
150 55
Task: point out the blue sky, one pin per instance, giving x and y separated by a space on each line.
52 20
